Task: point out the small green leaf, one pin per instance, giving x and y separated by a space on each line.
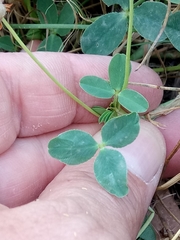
66 16
98 109
123 3
111 172
6 44
105 34
96 87
51 44
175 1
34 34
148 234
148 20
120 131
173 30
117 71
47 11
73 147
133 101
105 116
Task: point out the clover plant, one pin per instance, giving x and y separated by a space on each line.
121 118
121 128
103 36
147 21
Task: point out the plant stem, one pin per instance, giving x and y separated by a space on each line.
49 26
167 69
138 3
128 48
147 222
45 70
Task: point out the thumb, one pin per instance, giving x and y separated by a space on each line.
145 160
75 205
117 216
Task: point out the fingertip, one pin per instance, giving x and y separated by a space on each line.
171 136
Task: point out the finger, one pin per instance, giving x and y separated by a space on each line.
145 75
27 168
172 136
74 205
31 104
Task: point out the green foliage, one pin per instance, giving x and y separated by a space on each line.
52 44
121 129
73 147
148 19
105 34
133 101
117 71
98 109
48 13
106 116
148 234
121 118
97 87
173 29
175 1
34 34
66 16
119 132
111 172
123 3
6 44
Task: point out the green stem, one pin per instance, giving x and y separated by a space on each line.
45 70
49 26
147 222
128 48
138 3
167 69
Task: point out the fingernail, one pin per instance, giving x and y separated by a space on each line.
146 155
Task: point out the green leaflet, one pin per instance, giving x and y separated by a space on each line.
120 131
66 16
175 1
99 109
111 172
97 38
148 234
108 114
123 3
96 87
148 20
47 11
133 101
73 147
173 29
117 71
51 44
6 44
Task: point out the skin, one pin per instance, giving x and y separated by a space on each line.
40 197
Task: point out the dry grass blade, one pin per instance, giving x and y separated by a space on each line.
165 108
170 183
156 86
176 235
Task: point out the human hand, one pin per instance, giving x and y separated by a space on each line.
72 205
